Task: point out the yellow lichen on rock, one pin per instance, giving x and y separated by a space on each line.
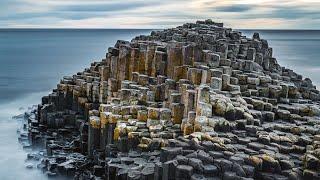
94 121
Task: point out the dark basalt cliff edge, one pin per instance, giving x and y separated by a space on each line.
199 101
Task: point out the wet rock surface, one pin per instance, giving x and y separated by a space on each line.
199 101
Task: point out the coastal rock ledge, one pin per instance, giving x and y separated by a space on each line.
199 101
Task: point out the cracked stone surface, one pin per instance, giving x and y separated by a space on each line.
199 101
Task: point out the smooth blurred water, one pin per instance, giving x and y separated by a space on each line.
33 61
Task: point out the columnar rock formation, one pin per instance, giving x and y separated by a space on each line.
199 101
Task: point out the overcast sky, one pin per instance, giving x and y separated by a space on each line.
258 14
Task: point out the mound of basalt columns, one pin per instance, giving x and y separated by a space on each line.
199 101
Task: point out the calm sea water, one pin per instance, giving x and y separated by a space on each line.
33 61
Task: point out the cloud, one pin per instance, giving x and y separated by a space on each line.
155 14
102 7
294 13
234 8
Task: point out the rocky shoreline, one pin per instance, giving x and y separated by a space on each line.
199 101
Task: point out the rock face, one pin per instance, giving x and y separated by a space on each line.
199 101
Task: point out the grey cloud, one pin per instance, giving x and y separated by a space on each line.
98 9
233 8
173 15
61 15
109 9
101 7
111 5
294 13
284 12
76 11
8 6
67 14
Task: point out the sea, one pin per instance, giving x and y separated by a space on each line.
32 61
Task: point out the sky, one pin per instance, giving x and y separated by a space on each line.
153 14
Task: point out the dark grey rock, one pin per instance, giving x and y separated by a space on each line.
169 170
169 153
210 170
184 172
196 164
205 157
